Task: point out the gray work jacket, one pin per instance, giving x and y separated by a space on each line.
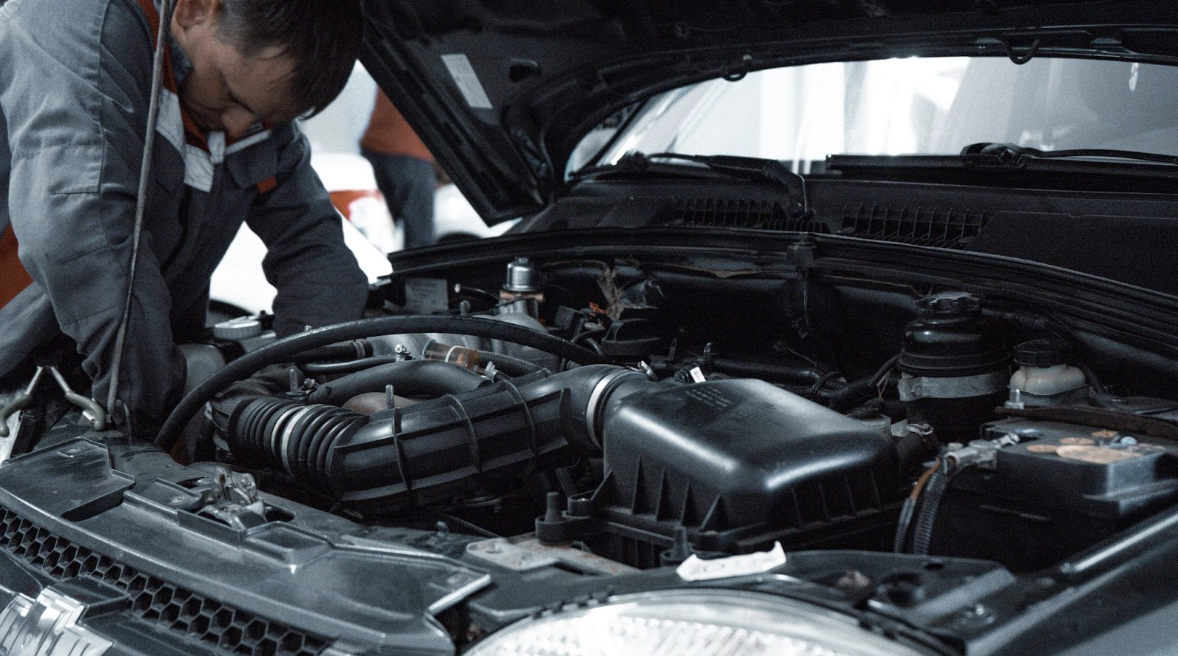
75 78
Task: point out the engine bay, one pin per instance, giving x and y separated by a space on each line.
644 411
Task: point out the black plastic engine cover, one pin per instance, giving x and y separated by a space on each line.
731 454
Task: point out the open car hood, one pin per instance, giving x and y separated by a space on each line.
502 91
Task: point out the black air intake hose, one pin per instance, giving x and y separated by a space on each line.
285 350
424 452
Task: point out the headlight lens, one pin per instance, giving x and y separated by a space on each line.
692 623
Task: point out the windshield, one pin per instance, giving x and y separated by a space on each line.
909 106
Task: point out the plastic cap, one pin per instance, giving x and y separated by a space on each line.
1042 353
238 329
950 303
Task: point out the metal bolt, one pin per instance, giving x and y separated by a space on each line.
853 579
648 371
978 613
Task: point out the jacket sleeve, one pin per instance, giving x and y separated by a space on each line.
317 277
74 91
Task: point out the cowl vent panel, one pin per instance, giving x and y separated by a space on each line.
755 214
922 226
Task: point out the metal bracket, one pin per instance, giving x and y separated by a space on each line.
22 401
90 408
232 498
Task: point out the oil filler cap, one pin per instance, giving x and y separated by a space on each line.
238 329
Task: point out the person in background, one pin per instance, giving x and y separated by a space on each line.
406 172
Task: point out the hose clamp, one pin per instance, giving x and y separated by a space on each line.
597 399
958 387
288 422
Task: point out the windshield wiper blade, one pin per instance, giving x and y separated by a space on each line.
746 167
1008 155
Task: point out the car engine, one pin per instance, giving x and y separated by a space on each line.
644 412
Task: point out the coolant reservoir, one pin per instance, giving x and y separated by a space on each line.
1044 377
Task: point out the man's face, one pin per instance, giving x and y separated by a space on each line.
226 89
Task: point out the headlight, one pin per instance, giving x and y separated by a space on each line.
692 623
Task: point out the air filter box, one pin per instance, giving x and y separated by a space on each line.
736 462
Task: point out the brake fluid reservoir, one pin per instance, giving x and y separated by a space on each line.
1044 377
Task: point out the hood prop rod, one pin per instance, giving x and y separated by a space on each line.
153 111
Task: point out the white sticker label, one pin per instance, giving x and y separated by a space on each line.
695 569
467 81
426 295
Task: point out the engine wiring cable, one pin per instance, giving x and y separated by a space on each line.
580 337
881 375
922 534
285 349
347 367
357 349
466 526
828 377
459 288
153 111
843 396
587 334
909 507
508 364
512 366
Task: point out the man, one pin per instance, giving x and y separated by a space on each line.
74 94
404 169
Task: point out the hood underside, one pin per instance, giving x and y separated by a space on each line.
502 91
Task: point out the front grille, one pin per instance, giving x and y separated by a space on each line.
155 601
922 226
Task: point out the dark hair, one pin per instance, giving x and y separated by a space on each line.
322 36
